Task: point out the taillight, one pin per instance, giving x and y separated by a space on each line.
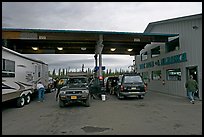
101 80
145 87
100 77
121 87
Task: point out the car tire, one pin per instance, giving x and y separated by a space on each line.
119 96
140 96
20 102
61 103
87 102
27 99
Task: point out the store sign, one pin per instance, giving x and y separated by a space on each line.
165 61
25 35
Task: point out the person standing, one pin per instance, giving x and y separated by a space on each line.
41 91
59 86
55 83
191 86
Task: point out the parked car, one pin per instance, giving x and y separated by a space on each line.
130 85
75 90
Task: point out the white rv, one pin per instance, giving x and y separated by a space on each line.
20 75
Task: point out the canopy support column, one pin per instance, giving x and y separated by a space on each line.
99 48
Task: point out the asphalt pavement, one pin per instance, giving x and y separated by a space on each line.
156 114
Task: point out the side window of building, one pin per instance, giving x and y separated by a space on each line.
8 68
173 74
155 52
172 44
144 56
156 75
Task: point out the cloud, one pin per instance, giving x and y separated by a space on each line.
106 16
113 16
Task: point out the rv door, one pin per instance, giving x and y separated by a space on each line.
37 73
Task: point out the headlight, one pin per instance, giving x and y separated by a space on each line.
85 91
62 92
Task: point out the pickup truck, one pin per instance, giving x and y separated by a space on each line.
75 90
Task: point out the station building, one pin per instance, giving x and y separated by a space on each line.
167 66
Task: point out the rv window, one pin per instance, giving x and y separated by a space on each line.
8 68
39 70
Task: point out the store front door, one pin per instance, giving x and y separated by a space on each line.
193 71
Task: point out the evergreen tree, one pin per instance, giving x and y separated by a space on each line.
109 71
66 72
49 74
59 72
53 73
106 71
63 72
82 69
120 71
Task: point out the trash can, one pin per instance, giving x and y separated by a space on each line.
103 97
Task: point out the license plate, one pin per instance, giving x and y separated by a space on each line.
73 97
133 88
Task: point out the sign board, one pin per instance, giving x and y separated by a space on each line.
165 61
97 68
25 35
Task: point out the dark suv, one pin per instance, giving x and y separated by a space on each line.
130 85
75 90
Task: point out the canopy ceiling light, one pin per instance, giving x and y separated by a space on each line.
113 49
83 48
60 48
129 50
35 48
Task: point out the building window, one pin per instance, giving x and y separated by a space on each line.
144 56
174 74
8 68
145 76
172 44
155 52
156 75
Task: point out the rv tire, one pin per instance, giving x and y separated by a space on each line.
27 99
20 101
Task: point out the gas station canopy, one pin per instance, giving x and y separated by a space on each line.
77 41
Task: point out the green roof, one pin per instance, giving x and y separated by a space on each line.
88 31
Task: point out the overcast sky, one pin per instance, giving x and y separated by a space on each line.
102 16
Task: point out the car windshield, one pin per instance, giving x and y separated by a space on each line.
77 82
132 79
